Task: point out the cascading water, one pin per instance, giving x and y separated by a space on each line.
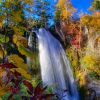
30 44
55 67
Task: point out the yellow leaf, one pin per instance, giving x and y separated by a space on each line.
3 90
18 61
30 2
98 39
16 16
89 60
25 51
1 21
20 40
17 30
22 67
66 9
23 72
1 72
2 52
1 24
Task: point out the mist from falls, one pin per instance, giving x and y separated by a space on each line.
55 66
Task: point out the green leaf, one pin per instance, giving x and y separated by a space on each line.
3 39
25 51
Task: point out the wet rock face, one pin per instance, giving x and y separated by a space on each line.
95 85
93 92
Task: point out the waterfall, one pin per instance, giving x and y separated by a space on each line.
55 66
30 44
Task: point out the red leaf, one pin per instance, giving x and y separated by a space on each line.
17 74
29 85
8 65
14 90
48 96
39 89
17 82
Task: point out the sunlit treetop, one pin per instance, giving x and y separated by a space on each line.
12 14
91 21
64 9
95 5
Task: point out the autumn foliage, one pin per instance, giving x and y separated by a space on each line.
80 38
